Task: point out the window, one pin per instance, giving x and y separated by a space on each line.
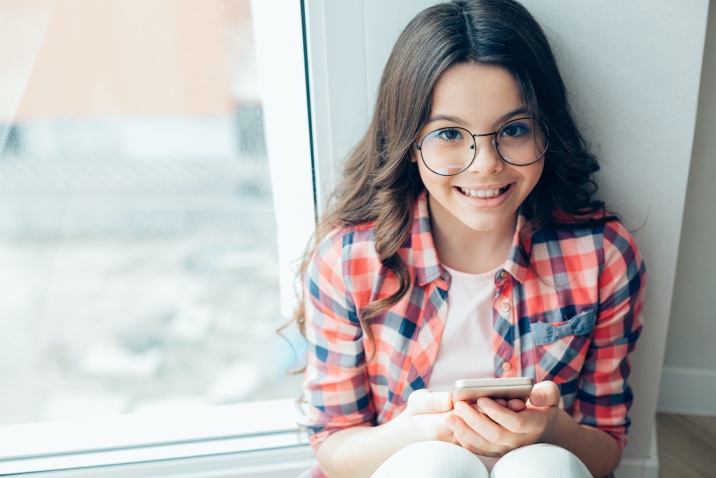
147 229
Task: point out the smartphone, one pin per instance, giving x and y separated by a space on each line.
472 389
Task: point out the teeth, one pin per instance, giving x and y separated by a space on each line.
481 193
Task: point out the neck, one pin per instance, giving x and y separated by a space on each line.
467 250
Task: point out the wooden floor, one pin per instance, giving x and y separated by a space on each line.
687 446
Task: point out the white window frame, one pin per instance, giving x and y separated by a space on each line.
245 438
259 439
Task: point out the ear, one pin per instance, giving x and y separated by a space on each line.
414 153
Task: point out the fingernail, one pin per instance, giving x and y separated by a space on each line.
484 403
460 408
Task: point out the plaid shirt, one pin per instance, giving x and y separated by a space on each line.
566 309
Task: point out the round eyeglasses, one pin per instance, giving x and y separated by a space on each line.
450 151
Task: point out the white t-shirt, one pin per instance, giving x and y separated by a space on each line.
466 345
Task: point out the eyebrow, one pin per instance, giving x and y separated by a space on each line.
455 119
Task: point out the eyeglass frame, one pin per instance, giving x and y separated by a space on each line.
495 144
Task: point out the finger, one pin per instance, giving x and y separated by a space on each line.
481 423
424 401
469 439
476 406
503 417
545 394
516 405
500 401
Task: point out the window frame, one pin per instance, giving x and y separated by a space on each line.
249 439
242 435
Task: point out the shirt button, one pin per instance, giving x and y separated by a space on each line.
501 275
506 366
505 307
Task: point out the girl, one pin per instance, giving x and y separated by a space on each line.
465 241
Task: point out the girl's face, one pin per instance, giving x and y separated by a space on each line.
480 98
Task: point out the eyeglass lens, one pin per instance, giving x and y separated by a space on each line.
449 151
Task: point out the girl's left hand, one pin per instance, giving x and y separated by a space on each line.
495 429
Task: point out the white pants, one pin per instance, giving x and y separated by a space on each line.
439 459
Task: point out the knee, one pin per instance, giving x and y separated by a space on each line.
430 459
540 461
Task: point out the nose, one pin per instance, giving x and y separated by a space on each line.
487 160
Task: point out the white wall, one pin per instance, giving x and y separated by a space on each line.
690 361
633 70
635 91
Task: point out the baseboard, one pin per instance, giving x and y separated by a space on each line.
641 467
688 391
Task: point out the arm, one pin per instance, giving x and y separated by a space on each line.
597 449
335 385
603 395
357 452
340 409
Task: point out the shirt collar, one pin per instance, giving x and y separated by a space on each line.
518 260
422 247
425 257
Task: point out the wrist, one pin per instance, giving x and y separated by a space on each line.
402 429
558 428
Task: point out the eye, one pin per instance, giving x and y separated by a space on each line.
516 129
448 134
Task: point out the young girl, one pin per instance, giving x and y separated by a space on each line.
465 241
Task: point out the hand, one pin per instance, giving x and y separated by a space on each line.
426 416
493 429
514 404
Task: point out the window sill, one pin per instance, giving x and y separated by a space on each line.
245 438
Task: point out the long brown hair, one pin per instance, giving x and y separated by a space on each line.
379 182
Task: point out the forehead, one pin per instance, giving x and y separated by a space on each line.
475 93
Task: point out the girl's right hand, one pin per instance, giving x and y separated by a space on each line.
425 417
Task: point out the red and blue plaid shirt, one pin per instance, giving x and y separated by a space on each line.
567 308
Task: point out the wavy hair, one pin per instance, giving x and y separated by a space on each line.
379 182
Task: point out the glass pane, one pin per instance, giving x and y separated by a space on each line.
137 236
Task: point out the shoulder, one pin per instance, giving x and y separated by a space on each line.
615 235
601 234
356 240
346 250
609 234
622 258
598 223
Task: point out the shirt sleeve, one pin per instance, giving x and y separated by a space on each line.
604 397
335 386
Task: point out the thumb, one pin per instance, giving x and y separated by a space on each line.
545 394
425 401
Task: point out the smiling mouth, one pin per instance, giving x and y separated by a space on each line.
484 193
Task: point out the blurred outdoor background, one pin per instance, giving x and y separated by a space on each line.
138 260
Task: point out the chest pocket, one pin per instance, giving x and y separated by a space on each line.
560 350
548 332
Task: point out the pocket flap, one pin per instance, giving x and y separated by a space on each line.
547 332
